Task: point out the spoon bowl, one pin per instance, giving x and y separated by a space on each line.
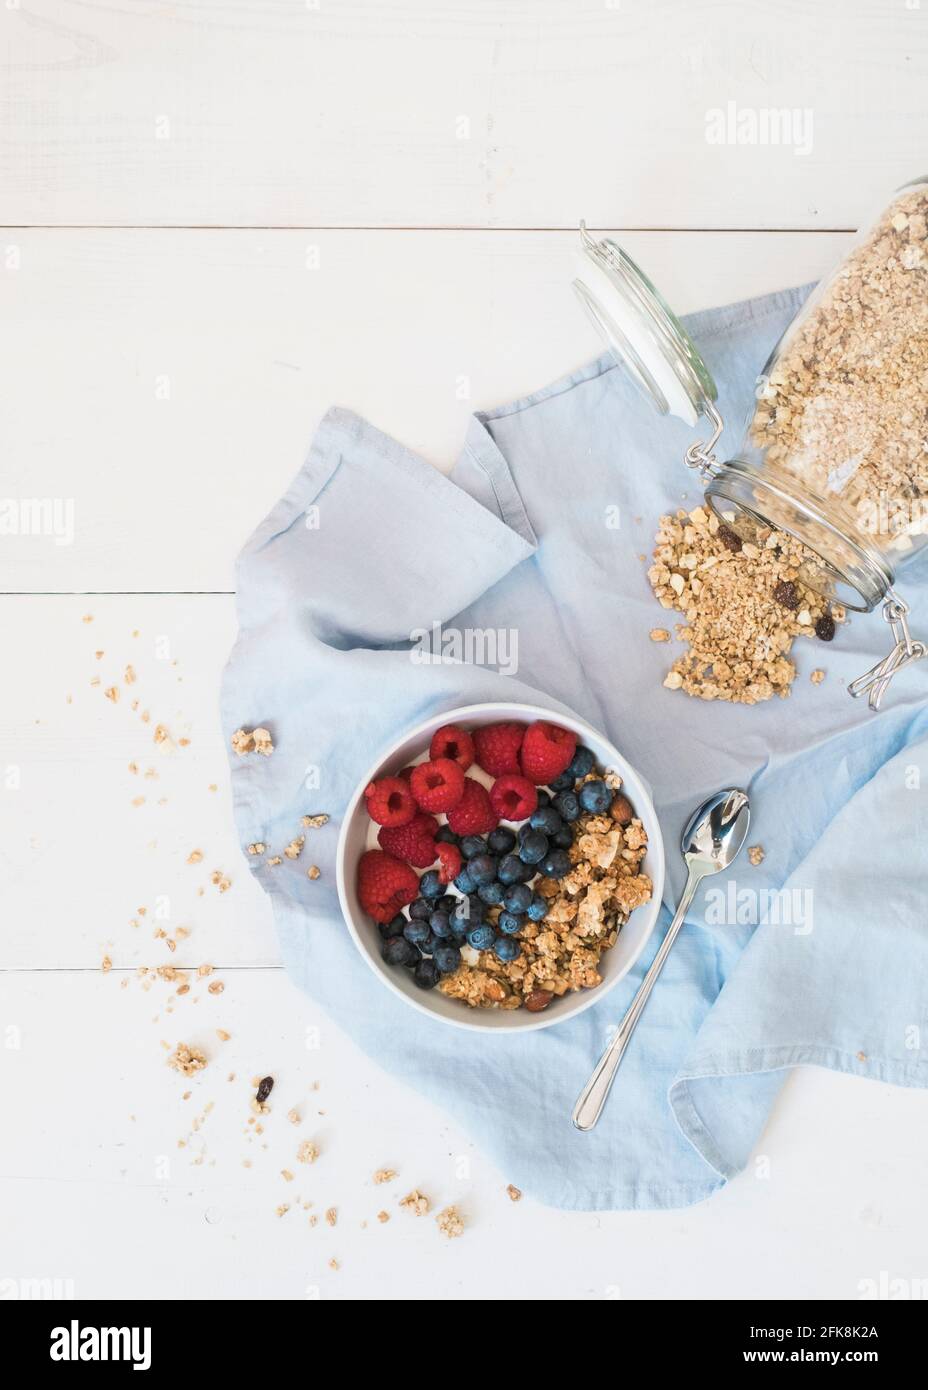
715 832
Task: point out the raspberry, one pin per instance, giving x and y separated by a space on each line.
451 861
513 798
405 773
451 742
389 801
497 747
415 842
473 814
437 785
385 885
547 751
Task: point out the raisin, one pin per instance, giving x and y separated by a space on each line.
825 627
728 538
787 594
265 1087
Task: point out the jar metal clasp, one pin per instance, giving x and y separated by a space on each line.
906 649
700 453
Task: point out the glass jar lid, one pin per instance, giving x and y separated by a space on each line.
641 331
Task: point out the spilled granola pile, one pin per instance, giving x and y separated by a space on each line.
744 602
587 909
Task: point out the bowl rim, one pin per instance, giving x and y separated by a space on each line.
644 806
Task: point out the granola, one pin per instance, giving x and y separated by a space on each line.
186 1059
844 407
587 909
744 603
450 1223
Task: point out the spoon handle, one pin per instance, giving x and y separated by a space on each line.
592 1098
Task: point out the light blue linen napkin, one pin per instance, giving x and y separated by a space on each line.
543 532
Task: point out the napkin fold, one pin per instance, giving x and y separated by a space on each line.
539 537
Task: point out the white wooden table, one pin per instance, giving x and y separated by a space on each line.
218 218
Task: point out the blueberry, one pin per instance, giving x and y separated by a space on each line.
482 868
501 840
518 898
477 908
511 869
430 885
421 909
506 948
426 974
464 883
510 923
396 950
440 923
394 927
534 847
473 845
417 932
482 937
447 958
581 763
546 819
537 908
563 783
564 837
491 893
446 836
556 864
544 798
595 796
567 805
447 904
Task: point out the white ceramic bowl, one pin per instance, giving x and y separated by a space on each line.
358 833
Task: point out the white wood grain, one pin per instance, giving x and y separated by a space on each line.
530 113
169 382
95 1190
77 859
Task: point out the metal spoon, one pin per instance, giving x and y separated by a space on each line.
713 837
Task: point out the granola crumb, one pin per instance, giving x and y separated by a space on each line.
161 736
756 854
293 1116
450 1223
242 742
659 634
257 848
187 1059
286 1175
307 1152
333 1264
817 676
106 965
313 872
274 861
283 1208
129 676
215 987
515 1194
222 1035
295 847
87 618
384 1175
112 693
415 1202
315 822
263 743
331 1216
383 1217
195 856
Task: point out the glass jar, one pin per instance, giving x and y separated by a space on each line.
835 445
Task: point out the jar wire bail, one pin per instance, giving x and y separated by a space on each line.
906 650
